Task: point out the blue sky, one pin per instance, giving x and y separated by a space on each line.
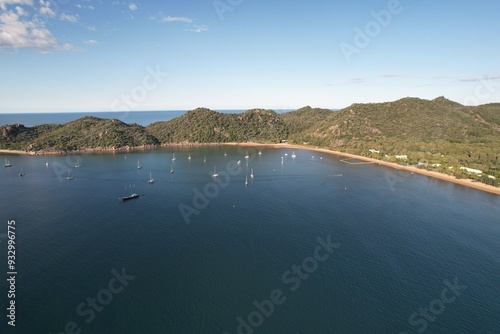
63 55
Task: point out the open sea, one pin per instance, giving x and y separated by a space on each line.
311 245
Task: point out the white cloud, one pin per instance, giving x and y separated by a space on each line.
79 6
20 11
91 42
192 27
68 18
176 19
480 78
4 3
45 9
18 31
132 6
198 28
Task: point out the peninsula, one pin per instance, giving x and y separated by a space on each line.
439 137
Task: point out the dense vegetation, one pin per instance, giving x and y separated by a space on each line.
438 134
86 132
207 126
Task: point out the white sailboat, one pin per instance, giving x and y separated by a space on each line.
247 156
225 154
204 159
151 180
293 155
189 157
173 156
282 160
46 164
260 153
7 163
21 174
69 177
246 180
215 174
251 173
77 164
138 165
171 169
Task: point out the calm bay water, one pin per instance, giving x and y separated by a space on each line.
403 239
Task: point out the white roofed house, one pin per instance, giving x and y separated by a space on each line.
471 170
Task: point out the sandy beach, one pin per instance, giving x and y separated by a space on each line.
437 175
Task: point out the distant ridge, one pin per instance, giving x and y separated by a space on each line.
436 133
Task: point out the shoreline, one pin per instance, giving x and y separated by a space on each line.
437 175
444 177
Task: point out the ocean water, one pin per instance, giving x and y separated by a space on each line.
313 245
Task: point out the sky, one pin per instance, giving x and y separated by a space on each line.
86 55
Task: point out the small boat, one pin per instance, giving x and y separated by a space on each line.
214 175
7 163
260 153
173 156
131 196
151 180
239 162
246 180
247 156
171 169
225 154
286 154
189 157
204 159
69 177
21 174
77 164
293 155
251 173
282 160
138 165
46 164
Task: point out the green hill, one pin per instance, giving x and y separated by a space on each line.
434 134
206 126
84 133
439 132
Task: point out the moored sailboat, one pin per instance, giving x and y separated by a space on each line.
131 196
